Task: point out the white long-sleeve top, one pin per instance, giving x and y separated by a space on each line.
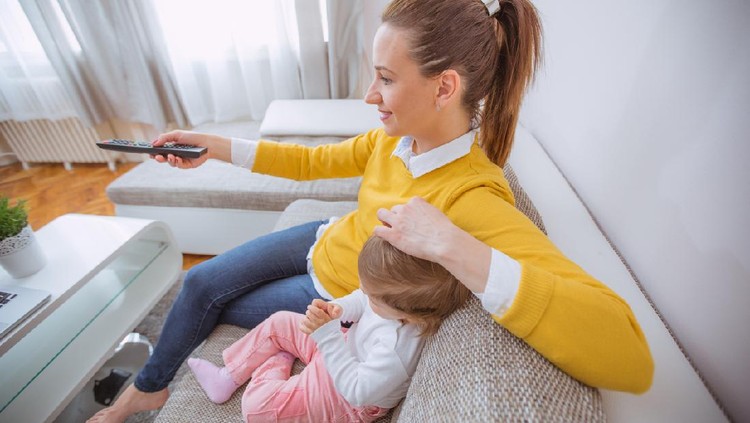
373 364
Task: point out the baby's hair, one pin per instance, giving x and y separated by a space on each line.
422 289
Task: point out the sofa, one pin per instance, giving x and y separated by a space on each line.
472 370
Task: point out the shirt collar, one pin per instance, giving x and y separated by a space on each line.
438 157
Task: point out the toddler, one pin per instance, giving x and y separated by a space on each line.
357 375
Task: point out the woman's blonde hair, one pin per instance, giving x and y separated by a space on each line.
496 57
422 289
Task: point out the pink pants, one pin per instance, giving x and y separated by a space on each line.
272 394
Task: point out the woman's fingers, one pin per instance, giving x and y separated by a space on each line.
385 217
172 136
416 228
181 137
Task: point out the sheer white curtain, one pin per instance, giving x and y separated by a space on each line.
346 46
232 57
29 86
183 61
114 65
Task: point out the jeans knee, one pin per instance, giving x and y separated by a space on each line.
199 283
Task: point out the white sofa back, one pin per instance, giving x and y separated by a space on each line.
643 106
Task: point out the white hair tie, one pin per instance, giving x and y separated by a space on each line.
493 6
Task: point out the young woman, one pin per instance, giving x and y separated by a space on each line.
354 378
450 77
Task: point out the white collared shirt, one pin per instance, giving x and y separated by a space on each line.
505 273
421 164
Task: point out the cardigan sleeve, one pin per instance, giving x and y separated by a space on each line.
303 163
572 319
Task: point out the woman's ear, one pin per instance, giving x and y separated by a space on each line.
448 88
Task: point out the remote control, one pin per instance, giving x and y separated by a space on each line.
182 150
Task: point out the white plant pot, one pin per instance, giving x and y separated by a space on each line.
21 255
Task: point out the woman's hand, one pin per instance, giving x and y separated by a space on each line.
420 229
416 228
218 148
318 314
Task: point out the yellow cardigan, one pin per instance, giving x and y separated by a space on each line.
573 320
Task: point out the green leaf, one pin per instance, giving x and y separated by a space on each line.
12 218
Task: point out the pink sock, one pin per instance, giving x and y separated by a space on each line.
216 381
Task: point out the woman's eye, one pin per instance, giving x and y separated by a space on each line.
385 80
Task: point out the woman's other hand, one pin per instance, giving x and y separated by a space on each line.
218 148
417 228
420 229
318 313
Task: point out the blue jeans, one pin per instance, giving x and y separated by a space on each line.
242 287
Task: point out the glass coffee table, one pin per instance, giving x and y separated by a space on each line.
104 274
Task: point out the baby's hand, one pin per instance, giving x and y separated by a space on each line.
319 313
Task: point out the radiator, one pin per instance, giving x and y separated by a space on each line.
64 141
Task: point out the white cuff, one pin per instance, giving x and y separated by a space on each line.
243 152
502 283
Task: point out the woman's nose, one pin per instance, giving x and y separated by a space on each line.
372 96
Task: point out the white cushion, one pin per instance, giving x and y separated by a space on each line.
345 118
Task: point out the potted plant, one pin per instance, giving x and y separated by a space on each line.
20 253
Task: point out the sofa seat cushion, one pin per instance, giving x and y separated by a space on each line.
188 402
216 184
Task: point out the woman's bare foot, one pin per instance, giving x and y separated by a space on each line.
130 402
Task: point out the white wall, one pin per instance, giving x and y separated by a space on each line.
645 107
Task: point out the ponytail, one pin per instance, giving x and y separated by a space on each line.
519 35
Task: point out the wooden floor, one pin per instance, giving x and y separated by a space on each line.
52 191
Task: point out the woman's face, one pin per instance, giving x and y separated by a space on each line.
405 99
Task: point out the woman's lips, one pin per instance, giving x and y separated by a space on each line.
384 115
